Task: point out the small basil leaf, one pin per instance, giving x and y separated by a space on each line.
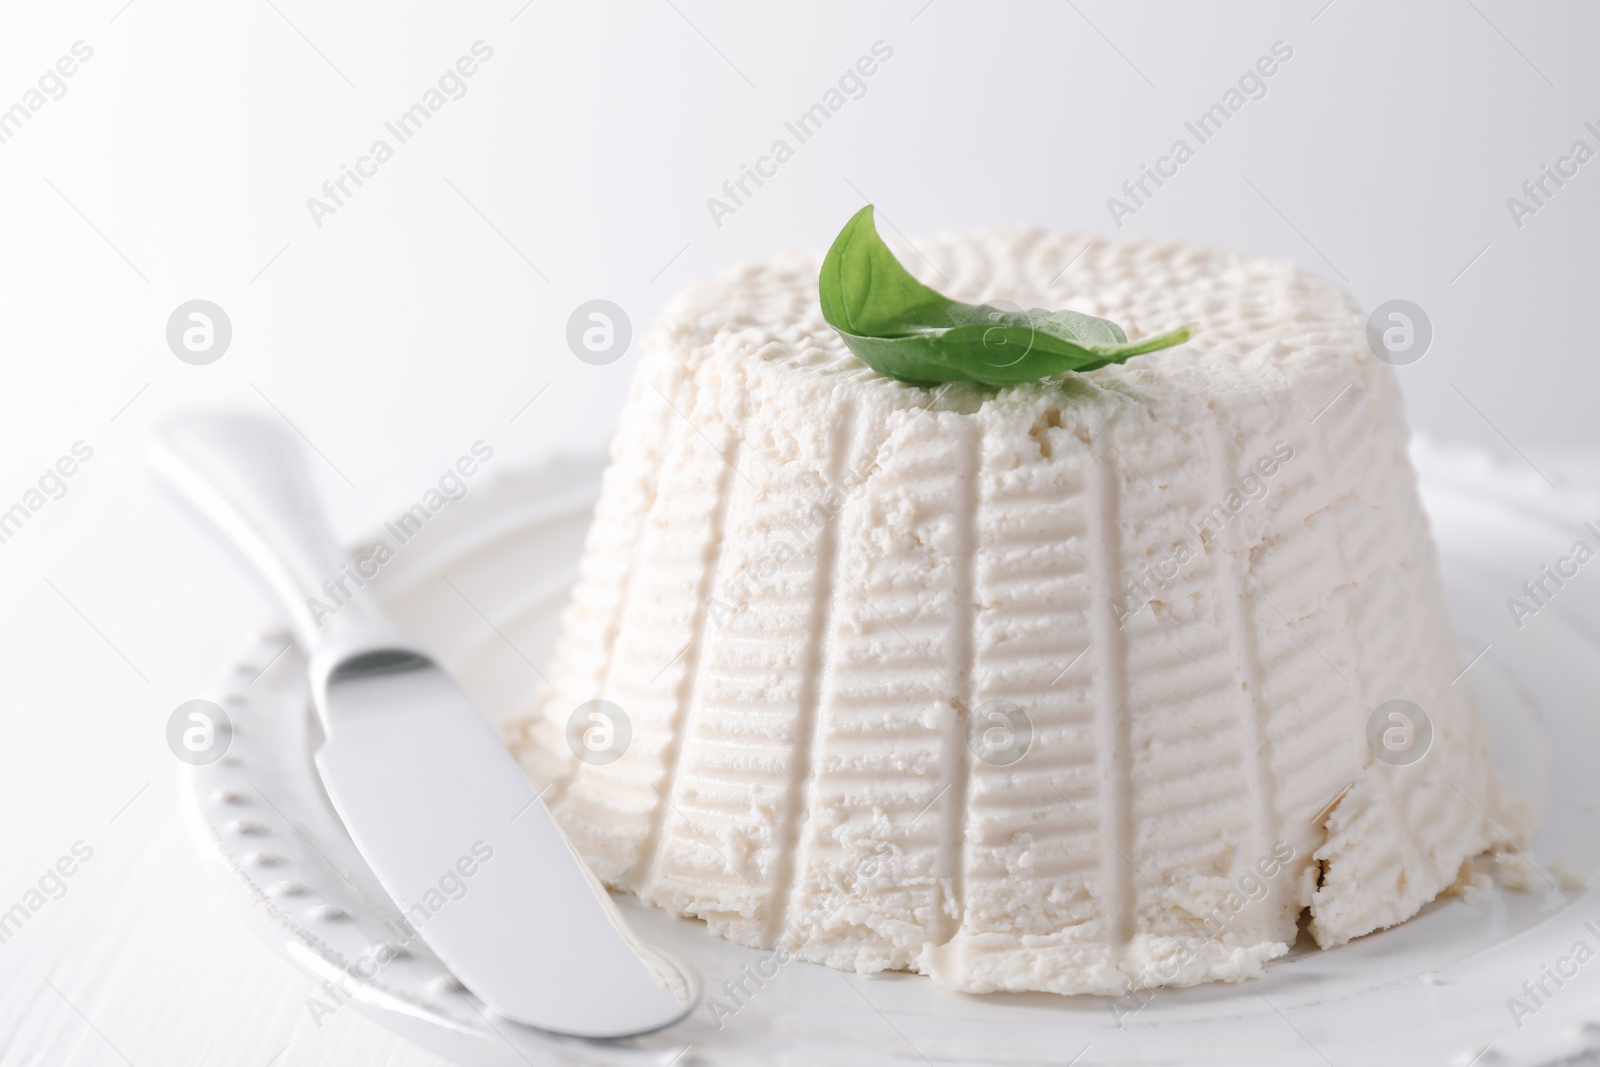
864 289
1080 327
905 330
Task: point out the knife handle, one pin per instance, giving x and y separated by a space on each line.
248 477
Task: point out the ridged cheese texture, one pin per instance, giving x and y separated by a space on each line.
809 588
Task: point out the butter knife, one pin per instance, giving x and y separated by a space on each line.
425 788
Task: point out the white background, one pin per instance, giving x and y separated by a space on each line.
432 307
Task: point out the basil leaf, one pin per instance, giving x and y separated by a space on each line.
903 329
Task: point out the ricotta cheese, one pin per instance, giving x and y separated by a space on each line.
1066 686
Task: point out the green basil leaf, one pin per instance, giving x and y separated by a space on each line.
903 329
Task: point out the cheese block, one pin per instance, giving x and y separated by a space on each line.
1082 686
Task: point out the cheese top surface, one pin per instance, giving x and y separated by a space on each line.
1261 323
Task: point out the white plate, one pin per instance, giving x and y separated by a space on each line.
482 585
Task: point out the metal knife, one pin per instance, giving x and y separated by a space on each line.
424 787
